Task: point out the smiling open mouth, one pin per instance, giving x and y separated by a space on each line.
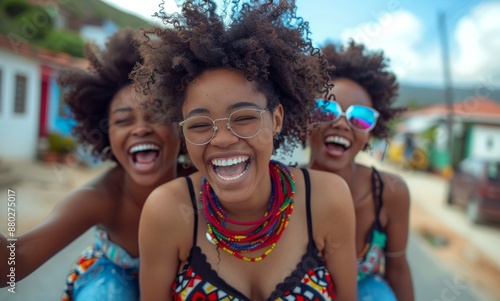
337 142
144 154
231 169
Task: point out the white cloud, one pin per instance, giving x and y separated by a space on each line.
414 57
144 8
478 39
400 35
473 55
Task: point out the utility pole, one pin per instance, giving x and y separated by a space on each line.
448 92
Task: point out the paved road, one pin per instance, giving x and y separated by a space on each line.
432 281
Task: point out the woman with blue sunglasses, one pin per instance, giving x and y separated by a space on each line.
364 91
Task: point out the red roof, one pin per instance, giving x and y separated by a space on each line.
472 107
46 57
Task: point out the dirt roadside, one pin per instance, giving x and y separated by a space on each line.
39 187
468 262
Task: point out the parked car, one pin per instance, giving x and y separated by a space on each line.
476 185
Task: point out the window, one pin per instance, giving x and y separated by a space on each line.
63 110
20 96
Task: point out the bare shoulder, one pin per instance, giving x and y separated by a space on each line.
330 197
396 193
167 208
329 188
88 199
96 198
319 177
169 204
332 208
98 189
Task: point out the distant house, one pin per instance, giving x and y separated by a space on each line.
79 20
98 33
475 130
30 99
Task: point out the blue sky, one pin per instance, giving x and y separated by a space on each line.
407 32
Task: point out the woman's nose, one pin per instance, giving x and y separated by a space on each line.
341 123
223 135
142 129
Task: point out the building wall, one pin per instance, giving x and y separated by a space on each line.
19 131
98 34
59 118
484 142
440 158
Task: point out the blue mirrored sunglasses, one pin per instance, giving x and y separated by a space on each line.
360 118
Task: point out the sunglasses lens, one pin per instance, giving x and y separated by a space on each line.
326 111
362 118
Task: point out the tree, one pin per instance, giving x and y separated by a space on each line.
63 41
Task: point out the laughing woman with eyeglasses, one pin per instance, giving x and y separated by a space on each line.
244 227
364 90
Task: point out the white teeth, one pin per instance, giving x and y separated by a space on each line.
143 147
233 178
229 162
339 140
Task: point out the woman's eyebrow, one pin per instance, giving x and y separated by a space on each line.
243 104
238 105
122 109
197 111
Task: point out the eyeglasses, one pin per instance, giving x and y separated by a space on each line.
244 123
360 118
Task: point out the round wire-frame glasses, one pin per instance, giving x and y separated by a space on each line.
243 123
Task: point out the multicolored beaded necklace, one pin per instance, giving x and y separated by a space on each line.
262 233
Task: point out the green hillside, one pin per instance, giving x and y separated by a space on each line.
96 9
20 20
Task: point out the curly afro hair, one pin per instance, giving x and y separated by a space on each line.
264 40
89 92
369 70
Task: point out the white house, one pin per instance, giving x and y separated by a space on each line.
485 142
98 33
27 96
19 105
475 130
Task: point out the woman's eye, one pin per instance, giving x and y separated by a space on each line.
200 127
244 118
122 121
